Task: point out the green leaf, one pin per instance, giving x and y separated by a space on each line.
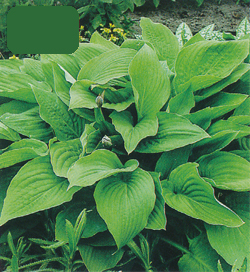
66 124
147 75
217 87
125 202
227 170
10 66
71 238
63 155
9 134
135 44
100 164
207 31
233 243
97 39
183 34
22 150
222 103
201 118
33 68
243 109
157 219
217 142
88 51
188 193
93 225
182 103
107 66
68 62
243 28
28 123
83 94
17 86
133 134
202 256
196 38
99 259
208 62
163 40
174 131
61 85
171 159
35 188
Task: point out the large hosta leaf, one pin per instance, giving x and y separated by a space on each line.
208 62
28 123
7 133
83 95
35 188
227 170
63 155
202 257
107 66
17 86
68 62
22 150
174 131
133 134
157 219
100 164
233 243
163 40
188 193
125 202
88 51
217 87
33 68
66 124
99 259
147 76
97 39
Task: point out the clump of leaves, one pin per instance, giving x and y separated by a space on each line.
150 137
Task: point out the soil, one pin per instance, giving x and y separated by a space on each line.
226 15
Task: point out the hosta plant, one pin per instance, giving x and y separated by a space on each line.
128 157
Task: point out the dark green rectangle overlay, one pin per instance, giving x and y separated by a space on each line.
43 30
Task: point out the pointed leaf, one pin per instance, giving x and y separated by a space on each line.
97 39
163 40
233 243
183 34
9 134
63 155
100 164
125 203
227 170
182 103
66 124
208 62
217 87
107 66
88 51
28 123
202 256
99 259
157 219
174 131
35 188
22 150
243 28
147 75
68 62
131 134
17 86
188 193
33 68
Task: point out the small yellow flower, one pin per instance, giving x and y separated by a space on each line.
113 38
13 57
81 39
106 30
81 27
111 25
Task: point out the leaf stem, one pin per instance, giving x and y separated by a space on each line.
178 246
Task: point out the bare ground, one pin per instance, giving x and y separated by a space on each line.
226 15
